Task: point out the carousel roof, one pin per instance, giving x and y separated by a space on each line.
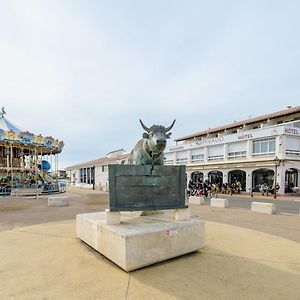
7 125
13 134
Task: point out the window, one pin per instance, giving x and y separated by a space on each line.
81 175
84 175
237 154
292 146
169 161
292 152
182 160
272 145
198 157
264 147
215 157
88 177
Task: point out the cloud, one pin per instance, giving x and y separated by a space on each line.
87 73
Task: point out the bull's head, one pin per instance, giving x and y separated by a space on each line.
157 136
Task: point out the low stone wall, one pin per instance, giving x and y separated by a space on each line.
58 201
264 208
196 200
219 202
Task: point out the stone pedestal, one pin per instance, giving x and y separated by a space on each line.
182 214
112 217
140 241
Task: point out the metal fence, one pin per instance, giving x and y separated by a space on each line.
32 189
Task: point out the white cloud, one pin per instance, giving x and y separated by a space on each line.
86 72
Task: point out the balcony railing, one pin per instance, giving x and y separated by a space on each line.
292 152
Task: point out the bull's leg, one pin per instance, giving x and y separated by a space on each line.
151 170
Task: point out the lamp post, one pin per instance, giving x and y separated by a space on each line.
277 163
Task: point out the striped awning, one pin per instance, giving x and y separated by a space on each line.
8 125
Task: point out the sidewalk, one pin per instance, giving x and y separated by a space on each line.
47 261
247 256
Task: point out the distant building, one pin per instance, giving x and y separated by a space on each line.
93 174
247 151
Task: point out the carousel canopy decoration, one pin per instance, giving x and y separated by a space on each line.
10 133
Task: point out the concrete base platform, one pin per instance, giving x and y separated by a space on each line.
140 241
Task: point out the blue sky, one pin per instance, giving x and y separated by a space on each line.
86 71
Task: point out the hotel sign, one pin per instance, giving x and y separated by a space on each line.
242 136
245 136
291 131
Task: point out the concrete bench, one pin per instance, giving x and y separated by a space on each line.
196 200
58 201
96 198
264 208
219 202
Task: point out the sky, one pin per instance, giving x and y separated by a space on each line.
85 72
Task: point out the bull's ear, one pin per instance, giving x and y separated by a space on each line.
145 135
168 135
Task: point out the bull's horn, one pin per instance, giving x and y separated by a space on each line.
170 127
144 126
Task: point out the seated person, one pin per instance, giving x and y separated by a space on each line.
192 187
264 189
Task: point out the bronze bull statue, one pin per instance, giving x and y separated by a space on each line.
149 150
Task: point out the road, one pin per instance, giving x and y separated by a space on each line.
282 206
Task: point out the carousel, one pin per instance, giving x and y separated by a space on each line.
27 160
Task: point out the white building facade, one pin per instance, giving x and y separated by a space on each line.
94 174
265 149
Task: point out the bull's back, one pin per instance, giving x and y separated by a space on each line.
136 153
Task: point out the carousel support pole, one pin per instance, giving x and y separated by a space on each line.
55 169
42 164
57 172
7 161
35 167
57 166
54 165
11 165
22 166
51 172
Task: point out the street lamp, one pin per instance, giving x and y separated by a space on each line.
277 163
